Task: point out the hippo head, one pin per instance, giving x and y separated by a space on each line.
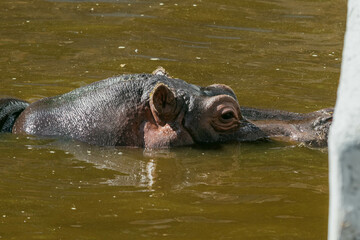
206 115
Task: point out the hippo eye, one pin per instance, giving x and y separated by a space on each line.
226 121
227 115
224 114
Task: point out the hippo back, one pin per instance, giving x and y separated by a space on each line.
107 112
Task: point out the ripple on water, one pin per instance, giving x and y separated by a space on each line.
96 1
260 30
154 58
181 219
223 37
122 15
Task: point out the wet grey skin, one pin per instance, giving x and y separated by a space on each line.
157 111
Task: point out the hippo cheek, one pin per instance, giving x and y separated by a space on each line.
245 132
200 131
166 136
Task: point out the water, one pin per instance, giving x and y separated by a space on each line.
274 54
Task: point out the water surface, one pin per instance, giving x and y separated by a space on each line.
274 54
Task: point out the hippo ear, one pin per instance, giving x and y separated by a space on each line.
163 104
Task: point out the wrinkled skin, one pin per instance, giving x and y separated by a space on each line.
310 128
156 111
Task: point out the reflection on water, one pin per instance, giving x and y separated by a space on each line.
63 184
130 170
274 54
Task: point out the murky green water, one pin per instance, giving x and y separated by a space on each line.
274 53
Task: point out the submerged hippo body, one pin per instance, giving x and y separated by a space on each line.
154 111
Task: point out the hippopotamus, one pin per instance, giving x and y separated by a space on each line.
158 111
